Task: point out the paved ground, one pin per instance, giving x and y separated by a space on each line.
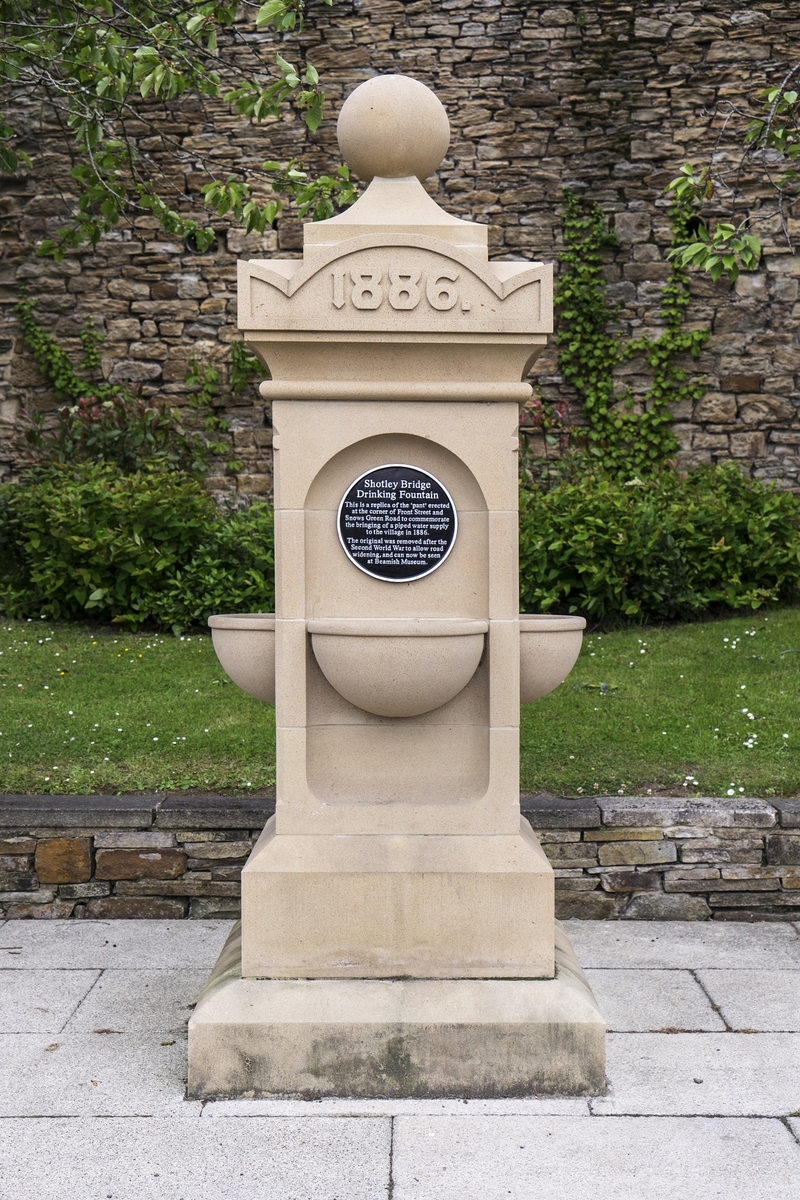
703 1098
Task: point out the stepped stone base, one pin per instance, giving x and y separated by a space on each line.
395 1037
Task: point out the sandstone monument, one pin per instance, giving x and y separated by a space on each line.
397 933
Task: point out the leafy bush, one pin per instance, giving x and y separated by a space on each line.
232 569
89 540
668 547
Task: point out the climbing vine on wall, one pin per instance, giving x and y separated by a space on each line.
106 421
628 442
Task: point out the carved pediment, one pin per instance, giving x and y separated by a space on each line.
396 283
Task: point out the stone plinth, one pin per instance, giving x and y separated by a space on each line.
396 1037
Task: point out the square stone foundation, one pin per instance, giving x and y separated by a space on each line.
389 1038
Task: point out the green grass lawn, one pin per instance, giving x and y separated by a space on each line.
94 710
714 706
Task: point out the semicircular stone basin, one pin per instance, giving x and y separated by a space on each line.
245 646
398 667
548 649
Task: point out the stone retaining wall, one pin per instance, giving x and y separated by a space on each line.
177 856
610 98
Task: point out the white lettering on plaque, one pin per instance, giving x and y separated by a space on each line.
397 523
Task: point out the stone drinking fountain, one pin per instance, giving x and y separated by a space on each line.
397 933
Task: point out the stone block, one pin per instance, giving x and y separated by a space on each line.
40 896
124 329
715 407
369 906
14 862
213 812
784 849
136 908
747 445
163 290
634 853
254 485
692 873
650 27
740 383
56 910
783 289
624 882
552 812
64 860
131 370
83 891
571 854
18 881
709 441
660 907
752 899
647 272
218 850
754 871
586 906
204 907
128 289
76 812
178 887
750 51
191 287
150 839
721 885
627 834
762 407
658 811
19 845
139 864
721 852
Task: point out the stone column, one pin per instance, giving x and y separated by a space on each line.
397 932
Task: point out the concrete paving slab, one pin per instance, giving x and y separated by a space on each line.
316 1159
120 944
518 1158
685 944
563 1106
146 1001
41 1001
93 1075
756 1000
794 1125
652 1001
711 1074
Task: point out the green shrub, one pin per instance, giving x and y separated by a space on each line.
232 569
87 540
668 547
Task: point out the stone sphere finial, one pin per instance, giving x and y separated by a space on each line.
393 126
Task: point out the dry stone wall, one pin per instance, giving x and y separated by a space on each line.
610 98
173 856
